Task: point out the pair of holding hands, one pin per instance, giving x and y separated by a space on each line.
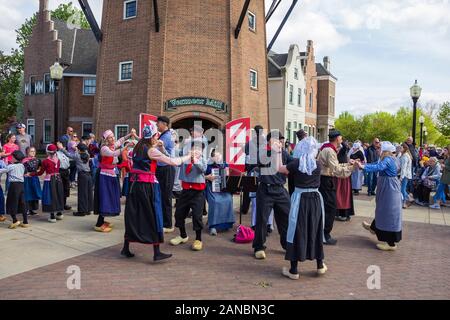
356 163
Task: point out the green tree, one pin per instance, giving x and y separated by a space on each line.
443 119
10 77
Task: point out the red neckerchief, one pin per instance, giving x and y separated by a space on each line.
189 167
328 145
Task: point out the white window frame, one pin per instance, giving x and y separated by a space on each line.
31 122
120 70
296 73
49 83
43 130
84 123
299 97
125 9
89 78
256 79
249 13
291 94
116 127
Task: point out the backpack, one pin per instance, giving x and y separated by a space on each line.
244 234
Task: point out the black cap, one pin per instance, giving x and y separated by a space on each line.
82 147
276 134
164 119
18 155
334 134
301 134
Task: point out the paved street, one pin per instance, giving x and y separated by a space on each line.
35 260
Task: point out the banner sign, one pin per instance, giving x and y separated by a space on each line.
172 104
145 119
237 136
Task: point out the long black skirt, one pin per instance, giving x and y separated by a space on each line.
15 201
143 214
53 195
308 238
85 192
386 236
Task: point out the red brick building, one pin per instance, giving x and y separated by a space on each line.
193 67
75 48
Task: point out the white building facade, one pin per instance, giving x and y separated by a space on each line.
287 92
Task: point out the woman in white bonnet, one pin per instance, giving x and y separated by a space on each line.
388 212
306 217
357 153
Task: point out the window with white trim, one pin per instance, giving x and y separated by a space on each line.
86 128
252 21
296 73
129 9
126 71
33 84
31 128
311 100
299 97
291 94
253 79
89 86
121 130
47 131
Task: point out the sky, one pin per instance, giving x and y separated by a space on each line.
377 48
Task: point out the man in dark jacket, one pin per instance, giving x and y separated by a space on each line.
372 157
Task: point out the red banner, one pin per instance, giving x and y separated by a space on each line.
237 136
145 119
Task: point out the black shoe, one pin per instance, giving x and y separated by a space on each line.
330 241
88 213
373 194
348 218
356 193
127 253
79 214
32 213
269 229
340 218
67 208
162 256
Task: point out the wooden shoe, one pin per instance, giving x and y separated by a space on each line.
289 275
59 217
322 270
386 247
168 230
260 255
104 228
14 225
178 240
109 224
197 245
367 227
2 218
25 225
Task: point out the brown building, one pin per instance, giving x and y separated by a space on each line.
75 48
326 99
309 63
193 67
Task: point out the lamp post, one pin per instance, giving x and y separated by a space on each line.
56 74
415 91
425 134
421 121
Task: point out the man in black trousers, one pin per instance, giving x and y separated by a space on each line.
166 174
271 194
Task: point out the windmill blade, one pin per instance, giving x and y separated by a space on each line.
280 28
241 19
272 9
84 4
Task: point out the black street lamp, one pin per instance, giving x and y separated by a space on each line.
421 121
56 74
415 91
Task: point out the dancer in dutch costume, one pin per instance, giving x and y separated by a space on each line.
33 190
53 191
307 214
143 212
107 185
388 211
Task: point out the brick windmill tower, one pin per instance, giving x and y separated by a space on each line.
187 59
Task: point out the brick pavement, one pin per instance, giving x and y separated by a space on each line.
224 270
